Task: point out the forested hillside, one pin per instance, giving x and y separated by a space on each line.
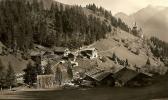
24 23
116 22
160 49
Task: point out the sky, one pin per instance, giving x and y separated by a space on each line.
115 6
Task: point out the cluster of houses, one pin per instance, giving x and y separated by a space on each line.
123 77
63 58
98 77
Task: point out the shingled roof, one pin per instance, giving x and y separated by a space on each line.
98 74
125 75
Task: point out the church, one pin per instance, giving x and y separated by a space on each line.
137 31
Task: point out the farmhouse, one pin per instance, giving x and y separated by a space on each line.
129 77
45 81
90 53
37 58
60 76
99 77
19 78
61 51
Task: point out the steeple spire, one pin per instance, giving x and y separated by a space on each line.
135 24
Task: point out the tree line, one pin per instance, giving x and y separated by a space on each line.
160 49
24 23
32 70
116 22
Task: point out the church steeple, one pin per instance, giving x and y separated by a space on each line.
137 31
135 26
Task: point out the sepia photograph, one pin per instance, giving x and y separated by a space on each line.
83 49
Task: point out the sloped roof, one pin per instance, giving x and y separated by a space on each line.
92 49
147 74
97 74
125 75
41 47
36 52
59 49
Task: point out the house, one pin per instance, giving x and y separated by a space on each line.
19 78
61 51
49 55
129 77
45 81
49 52
141 79
37 58
70 56
99 77
90 53
40 47
124 75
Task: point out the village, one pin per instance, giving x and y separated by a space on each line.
83 50
89 67
91 75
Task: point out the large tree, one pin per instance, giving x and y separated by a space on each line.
39 69
2 75
48 69
148 62
69 70
58 74
10 76
30 76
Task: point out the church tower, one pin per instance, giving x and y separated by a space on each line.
135 30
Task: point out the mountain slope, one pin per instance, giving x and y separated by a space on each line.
152 19
117 44
157 25
92 29
126 18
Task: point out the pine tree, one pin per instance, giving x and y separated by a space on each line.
39 69
114 57
58 75
2 75
30 75
69 70
10 76
148 62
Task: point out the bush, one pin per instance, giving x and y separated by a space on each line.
103 59
137 52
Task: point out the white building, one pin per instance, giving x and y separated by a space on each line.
90 53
